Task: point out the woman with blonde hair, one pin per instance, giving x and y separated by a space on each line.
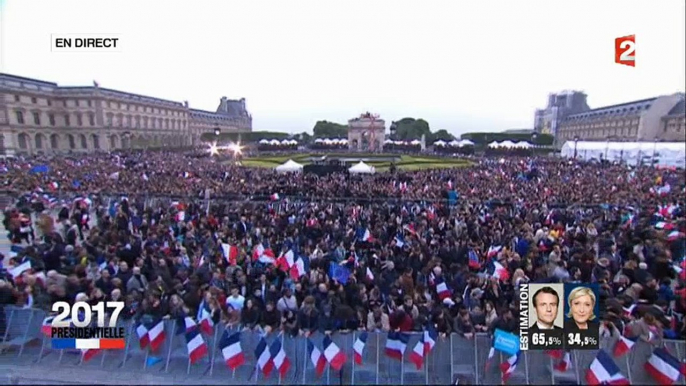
581 315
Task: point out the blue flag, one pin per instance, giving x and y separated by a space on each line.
339 273
39 169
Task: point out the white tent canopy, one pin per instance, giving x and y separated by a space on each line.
466 142
523 145
494 144
362 168
633 153
289 166
264 141
439 143
507 143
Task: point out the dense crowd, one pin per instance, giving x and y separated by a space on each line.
304 253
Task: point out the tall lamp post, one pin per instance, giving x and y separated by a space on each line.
576 143
217 131
534 136
652 159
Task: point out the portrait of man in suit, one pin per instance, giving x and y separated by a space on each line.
546 303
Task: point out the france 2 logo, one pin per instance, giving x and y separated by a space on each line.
625 50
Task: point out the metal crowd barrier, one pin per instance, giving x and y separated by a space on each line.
453 359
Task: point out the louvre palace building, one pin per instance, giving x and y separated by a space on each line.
39 117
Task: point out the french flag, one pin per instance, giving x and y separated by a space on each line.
604 370
450 185
230 253
491 354
565 363
442 290
143 338
318 360
365 236
396 343
624 345
500 272
509 366
286 260
206 323
298 269
628 311
46 328
430 336
197 348
664 225
274 197
493 251
419 352
231 350
369 274
185 325
156 335
264 358
333 354
555 354
264 255
358 347
674 236
88 354
664 368
279 358
474 260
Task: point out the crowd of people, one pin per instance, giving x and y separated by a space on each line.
304 253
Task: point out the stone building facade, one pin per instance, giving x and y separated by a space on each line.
652 119
568 116
366 133
38 117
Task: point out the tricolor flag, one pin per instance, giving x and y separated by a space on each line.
264 358
358 347
318 360
664 368
365 236
474 261
231 350
286 260
197 348
298 269
604 370
185 325
369 274
430 336
263 255
274 197
333 354
279 358
205 318
555 354
493 251
624 345
425 344
396 343
143 338
674 236
230 253
565 363
156 335
628 311
509 366
46 328
664 225
442 290
491 354
500 272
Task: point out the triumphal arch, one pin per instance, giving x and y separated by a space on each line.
366 133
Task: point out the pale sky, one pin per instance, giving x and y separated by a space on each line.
477 65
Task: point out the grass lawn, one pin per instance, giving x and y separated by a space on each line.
406 162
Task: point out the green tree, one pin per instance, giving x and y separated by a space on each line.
326 129
408 129
442 135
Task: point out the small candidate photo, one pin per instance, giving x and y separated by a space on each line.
545 301
581 308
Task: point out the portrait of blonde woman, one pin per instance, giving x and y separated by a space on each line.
581 314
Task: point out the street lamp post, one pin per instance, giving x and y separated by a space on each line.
652 159
217 131
576 143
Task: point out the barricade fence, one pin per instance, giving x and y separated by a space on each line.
453 359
